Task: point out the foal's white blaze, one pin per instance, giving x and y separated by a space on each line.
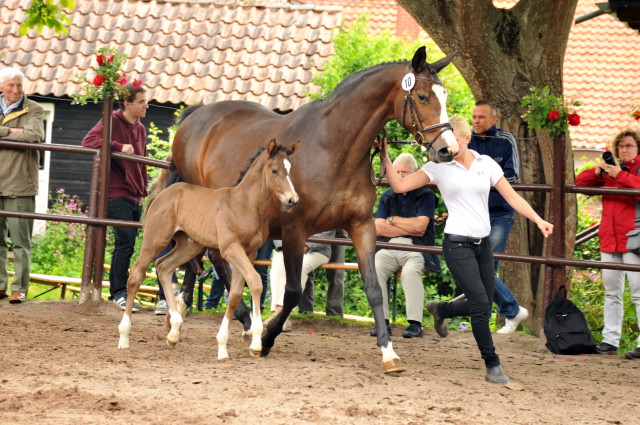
287 166
448 136
223 337
125 329
388 353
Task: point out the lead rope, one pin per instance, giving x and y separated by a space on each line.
378 149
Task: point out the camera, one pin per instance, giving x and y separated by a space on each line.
608 158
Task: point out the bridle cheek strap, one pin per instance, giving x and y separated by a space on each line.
416 122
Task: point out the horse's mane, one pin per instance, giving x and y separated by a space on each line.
253 159
354 78
250 162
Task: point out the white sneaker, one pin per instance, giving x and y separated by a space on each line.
510 325
286 327
162 308
122 303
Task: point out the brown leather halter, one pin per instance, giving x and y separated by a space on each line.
416 122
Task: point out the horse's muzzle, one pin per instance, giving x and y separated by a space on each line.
290 202
445 155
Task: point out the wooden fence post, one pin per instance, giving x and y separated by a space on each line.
94 250
555 275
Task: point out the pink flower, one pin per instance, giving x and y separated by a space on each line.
553 115
99 80
123 79
574 119
636 114
137 83
100 59
110 59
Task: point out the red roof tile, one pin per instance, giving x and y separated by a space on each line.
183 51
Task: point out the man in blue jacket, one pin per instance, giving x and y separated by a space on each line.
487 139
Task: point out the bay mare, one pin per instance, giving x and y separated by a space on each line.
231 220
331 169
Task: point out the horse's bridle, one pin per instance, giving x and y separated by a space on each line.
418 132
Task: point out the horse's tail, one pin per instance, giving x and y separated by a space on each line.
188 111
164 179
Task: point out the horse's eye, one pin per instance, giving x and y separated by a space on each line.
423 98
274 171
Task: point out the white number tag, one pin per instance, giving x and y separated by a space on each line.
408 81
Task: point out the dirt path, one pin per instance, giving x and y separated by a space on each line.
60 365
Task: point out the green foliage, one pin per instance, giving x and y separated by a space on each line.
546 111
159 148
47 13
60 251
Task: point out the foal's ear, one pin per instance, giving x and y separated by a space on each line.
271 146
442 63
419 59
293 147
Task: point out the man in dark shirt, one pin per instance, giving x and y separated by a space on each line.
406 218
127 183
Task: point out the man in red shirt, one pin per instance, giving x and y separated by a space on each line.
127 183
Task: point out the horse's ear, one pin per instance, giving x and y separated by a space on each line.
293 147
419 59
271 147
442 63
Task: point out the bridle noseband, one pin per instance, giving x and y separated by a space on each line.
418 132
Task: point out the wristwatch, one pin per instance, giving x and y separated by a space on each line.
390 219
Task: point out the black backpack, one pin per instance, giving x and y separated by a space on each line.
566 328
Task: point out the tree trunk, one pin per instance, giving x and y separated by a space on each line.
503 52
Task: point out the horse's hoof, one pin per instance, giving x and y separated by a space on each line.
171 344
265 351
393 366
255 353
224 359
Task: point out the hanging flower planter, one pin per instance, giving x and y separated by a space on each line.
109 81
544 111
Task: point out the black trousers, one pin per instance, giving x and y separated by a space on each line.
471 265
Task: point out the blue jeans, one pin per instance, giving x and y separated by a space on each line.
124 243
472 267
502 296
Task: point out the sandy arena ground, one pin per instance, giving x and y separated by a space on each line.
60 365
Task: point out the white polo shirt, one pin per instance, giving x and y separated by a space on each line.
466 193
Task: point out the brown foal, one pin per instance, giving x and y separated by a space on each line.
231 220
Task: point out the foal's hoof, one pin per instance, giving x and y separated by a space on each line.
255 353
393 366
171 344
265 351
